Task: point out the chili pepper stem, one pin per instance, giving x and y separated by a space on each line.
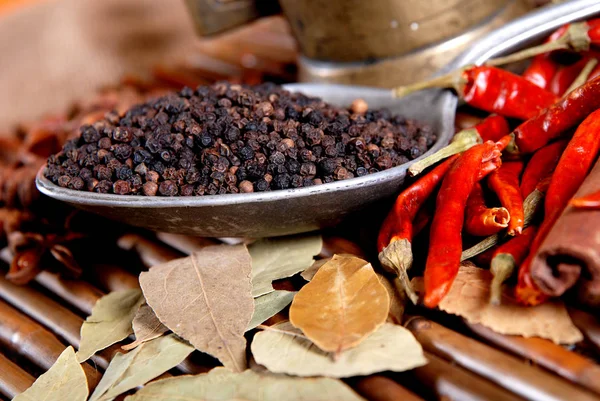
530 206
502 267
453 79
575 38
397 258
462 141
582 77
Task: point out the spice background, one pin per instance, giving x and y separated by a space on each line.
37 321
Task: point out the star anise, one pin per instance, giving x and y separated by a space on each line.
34 252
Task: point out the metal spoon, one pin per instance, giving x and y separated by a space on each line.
306 209
275 212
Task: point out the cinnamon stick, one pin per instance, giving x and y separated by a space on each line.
570 254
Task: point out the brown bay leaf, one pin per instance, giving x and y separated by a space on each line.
397 298
269 305
206 299
146 327
110 321
222 384
391 347
65 380
309 273
137 367
342 304
277 258
469 297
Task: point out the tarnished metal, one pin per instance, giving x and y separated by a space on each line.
275 212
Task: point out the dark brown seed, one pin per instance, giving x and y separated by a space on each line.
121 187
246 186
150 188
168 188
191 140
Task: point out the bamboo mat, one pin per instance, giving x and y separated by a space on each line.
466 362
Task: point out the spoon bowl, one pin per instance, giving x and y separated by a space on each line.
280 212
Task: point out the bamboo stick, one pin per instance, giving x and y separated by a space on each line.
32 341
151 252
445 381
507 371
185 243
58 319
80 294
381 388
545 353
588 324
112 278
13 379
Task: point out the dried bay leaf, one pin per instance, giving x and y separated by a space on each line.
269 305
137 367
206 299
469 298
309 273
110 321
146 327
397 298
277 258
65 380
343 304
391 347
222 384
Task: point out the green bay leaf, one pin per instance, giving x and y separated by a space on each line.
286 350
269 305
110 321
137 367
277 258
221 384
65 380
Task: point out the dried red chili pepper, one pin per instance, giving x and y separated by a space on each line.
445 247
506 258
422 218
395 235
540 71
557 119
565 76
505 183
484 258
481 220
492 128
591 201
491 89
572 168
541 165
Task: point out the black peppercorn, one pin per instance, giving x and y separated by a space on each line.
232 138
168 188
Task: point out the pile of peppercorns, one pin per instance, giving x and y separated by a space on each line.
227 138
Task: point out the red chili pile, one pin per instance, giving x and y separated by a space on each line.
503 190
